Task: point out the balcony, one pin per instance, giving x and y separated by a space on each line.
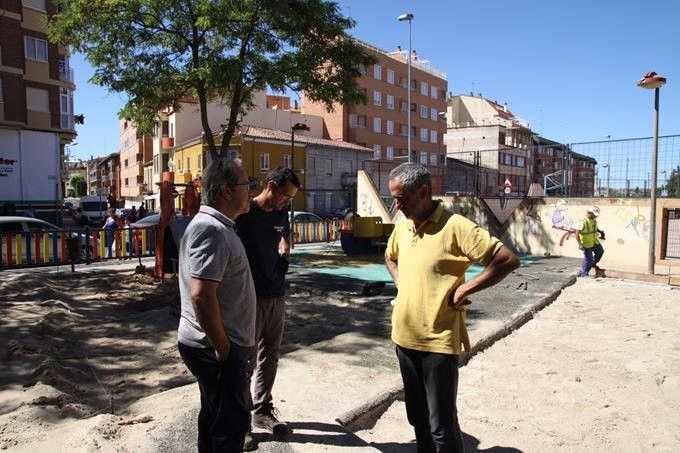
66 74
167 142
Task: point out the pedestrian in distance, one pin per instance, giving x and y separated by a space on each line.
427 256
110 225
217 322
588 236
142 212
265 232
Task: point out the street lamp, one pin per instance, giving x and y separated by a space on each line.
608 166
650 81
408 17
293 128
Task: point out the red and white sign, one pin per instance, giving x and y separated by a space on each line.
508 186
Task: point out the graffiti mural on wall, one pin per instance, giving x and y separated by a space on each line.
561 222
639 222
533 224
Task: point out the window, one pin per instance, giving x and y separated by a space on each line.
377 125
328 167
37 100
520 161
390 76
362 69
329 200
377 98
357 121
188 164
179 165
155 164
433 136
423 134
423 158
127 184
434 92
35 4
390 152
403 130
286 161
377 72
413 131
404 106
433 114
414 106
390 127
433 159
424 111
424 89
126 165
390 102
264 161
35 49
414 84
377 152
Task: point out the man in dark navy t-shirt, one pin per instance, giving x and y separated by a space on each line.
265 232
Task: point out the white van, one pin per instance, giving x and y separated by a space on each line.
95 208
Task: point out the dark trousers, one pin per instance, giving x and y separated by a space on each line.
430 388
591 256
224 418
264 357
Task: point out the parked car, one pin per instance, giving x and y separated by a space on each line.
16 224
150 222
305 217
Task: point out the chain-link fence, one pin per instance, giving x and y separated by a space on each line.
608 168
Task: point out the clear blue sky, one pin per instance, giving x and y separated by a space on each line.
569 68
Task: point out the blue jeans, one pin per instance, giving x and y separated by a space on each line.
224 418
591 257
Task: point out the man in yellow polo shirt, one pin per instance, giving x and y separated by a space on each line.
427 256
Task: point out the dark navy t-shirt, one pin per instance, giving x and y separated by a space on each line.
261 233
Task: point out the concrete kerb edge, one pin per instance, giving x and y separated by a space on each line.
361 416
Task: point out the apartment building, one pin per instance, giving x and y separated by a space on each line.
581 176
108 174
382 123
135 152
489 136
36 99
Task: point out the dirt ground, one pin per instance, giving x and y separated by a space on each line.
76 346
597 370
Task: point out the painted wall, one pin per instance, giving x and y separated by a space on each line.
544 226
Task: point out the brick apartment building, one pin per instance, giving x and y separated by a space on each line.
36 81
382 124
135 151
36 86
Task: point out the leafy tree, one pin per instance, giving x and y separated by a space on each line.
160 52
79 185
673 183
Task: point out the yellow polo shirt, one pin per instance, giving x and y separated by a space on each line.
432 262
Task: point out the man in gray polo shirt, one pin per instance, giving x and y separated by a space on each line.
217 325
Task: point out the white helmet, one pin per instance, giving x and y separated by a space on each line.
594 210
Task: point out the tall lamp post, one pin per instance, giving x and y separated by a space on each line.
408 17
608 166
293 128
650 81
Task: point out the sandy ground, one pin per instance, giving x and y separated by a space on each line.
77 352
598 370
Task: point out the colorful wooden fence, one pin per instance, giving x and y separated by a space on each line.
26 249
326 231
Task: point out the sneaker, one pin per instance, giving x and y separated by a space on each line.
267 420
250 444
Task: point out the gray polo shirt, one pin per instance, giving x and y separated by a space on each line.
211 250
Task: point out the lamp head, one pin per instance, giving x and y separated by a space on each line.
651 80
299 127
405 17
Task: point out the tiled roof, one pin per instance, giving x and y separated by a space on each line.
274 134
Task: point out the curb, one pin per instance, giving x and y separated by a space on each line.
363 416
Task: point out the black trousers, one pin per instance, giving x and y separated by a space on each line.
224 418
430 390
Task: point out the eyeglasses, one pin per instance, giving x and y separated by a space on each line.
252 184
283 194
